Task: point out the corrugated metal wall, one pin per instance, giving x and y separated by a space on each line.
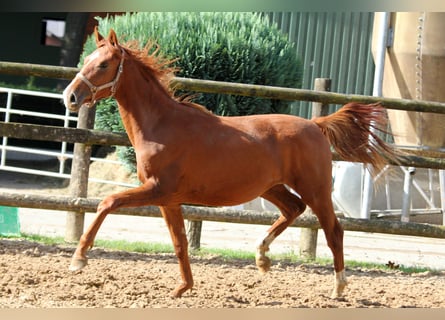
332 45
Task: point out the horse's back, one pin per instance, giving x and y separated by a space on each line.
283 134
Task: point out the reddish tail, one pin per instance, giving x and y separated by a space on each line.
353 132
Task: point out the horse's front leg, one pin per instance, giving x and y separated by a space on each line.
131 198
175 223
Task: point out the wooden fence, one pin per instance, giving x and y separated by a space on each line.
413 158
223 215
88 137
269 92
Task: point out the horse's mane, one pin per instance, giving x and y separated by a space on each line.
186 102
161 68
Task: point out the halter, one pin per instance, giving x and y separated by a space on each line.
94 89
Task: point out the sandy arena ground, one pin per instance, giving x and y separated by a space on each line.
35 275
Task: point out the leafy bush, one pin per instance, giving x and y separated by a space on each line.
233 47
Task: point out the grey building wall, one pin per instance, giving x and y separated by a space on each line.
334 45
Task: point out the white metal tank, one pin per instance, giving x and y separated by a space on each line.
415 69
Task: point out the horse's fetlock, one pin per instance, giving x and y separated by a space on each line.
263 263
339 284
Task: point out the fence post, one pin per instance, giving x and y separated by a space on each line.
308 237
79 176
194 228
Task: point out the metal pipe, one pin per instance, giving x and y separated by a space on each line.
407 186
442 193
368 184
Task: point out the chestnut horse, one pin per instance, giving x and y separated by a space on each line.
186 154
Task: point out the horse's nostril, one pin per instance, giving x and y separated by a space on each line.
73 98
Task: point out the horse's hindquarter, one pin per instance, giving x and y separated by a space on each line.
236 159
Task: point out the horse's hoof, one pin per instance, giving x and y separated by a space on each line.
77 264
338 290
177 293
336 295
263 263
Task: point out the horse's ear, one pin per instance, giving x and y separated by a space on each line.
112 38
98 36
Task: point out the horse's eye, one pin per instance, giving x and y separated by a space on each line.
103 65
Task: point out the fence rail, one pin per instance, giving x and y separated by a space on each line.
71 135
269 92
224 215
94 137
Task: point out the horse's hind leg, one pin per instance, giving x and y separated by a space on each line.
290 207
321 205
175 223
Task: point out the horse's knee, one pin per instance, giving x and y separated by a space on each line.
107 204
181 250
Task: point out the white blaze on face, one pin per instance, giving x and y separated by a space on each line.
92 57
67 91
65 95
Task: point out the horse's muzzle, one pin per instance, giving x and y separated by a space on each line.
72 100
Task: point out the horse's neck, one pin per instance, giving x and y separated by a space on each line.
142 106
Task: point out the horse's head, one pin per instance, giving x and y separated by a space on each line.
99 76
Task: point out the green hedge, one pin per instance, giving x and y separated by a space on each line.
223 46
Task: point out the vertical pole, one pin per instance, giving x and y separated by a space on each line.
368 184
79 176
5 139
407 186
431 186
442 193
308 237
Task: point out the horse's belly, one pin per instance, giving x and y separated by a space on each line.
221 199
231 190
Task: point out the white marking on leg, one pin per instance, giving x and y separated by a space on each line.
263 262
339 284
264 242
